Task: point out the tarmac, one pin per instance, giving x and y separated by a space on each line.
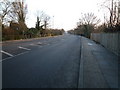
98 66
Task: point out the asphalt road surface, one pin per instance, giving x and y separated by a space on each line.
51 62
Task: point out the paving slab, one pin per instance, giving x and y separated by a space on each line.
98 66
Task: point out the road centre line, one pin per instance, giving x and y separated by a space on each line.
24 48
6 53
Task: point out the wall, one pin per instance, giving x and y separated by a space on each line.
109 40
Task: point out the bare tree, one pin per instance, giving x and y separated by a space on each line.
118 19
39 22
89 19
46 20
42 23
42 19
86 24
18 14
113 7
5 8
19 9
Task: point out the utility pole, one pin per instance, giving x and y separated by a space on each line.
53 22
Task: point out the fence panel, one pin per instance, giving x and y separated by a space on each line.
108 40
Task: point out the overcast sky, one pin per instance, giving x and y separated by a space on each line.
66 12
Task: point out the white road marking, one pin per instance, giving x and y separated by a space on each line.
24 48
39 43
90 44
35 45
32 44
13 56
6 53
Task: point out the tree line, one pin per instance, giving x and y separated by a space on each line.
12 17
89 23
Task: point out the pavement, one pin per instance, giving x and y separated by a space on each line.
98 66
66 61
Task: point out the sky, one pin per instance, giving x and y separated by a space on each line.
63 13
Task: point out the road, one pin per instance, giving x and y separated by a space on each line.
66 61
51 62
